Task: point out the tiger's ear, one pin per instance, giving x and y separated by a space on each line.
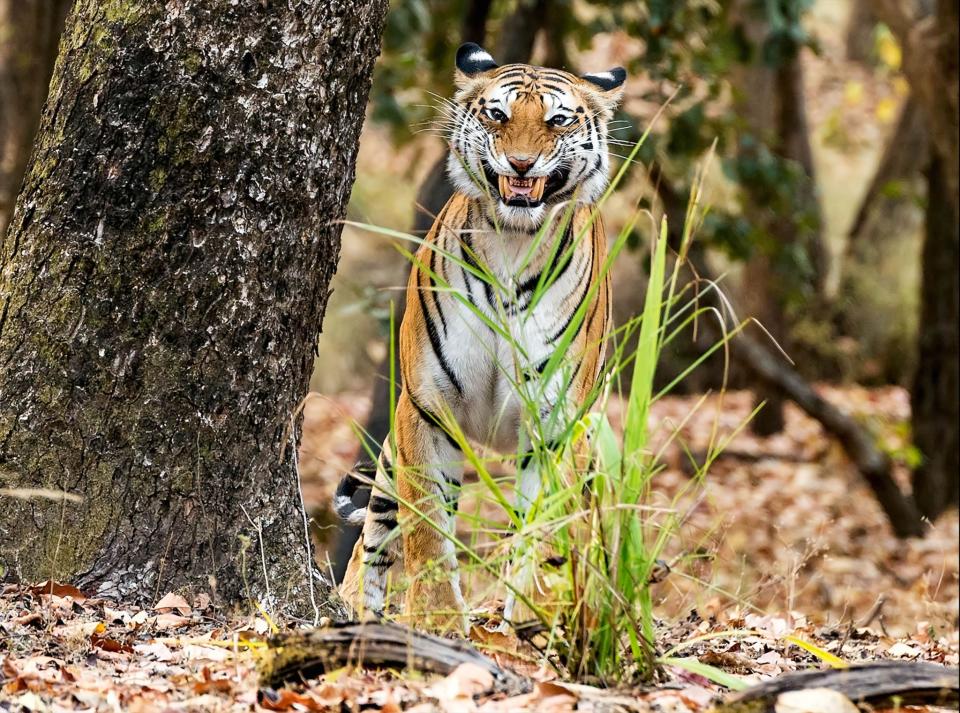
472 61
609 84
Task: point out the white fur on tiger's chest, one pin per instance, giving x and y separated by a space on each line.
493 364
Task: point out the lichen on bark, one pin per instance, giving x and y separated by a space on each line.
162 285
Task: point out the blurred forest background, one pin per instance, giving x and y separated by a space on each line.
833 221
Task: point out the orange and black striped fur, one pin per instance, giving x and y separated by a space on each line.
528 147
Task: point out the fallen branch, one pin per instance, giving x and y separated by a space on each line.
909 683
857 441
300 655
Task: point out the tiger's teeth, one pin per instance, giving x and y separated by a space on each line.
538 185
505 191
529 189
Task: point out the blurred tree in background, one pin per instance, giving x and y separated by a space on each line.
29 33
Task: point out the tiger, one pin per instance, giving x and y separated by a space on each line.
527 146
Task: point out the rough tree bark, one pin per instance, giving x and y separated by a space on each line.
162 285
29 32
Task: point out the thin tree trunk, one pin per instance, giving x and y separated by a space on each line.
906 155
860 28
931 63
474 26
29 33
518 32
935 396
162 285
772 105
881 262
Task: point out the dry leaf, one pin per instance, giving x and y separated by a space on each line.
173 602
901 649
201 602
168 621
156 650
285 700
60 590
31 619
98 641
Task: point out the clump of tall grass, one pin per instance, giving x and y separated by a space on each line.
581 561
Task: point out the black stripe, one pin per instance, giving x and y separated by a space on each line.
380 562
433 290
379 504
432 419
558 255
560 76
527 457
468 256
452 496
573 312
388 522
349 484
530 284
436 345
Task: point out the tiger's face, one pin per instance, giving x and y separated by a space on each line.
526 138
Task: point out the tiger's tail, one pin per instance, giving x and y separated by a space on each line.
358 480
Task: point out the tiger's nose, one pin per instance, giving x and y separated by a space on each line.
521 164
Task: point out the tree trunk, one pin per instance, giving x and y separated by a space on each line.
519 30
876 302
29 32
162 285
860 29
931 63
935 397
772 106
906 155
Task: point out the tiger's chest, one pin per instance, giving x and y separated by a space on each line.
509 302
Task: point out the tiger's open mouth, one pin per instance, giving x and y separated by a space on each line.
526 191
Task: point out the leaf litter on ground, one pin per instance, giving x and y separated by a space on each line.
792 568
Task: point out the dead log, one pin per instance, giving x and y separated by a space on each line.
907 682
300 655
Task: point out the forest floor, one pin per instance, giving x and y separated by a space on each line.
788 542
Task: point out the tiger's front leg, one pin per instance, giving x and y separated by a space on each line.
429 471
